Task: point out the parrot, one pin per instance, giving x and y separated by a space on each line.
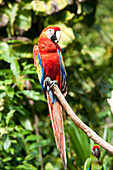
49 64
96 151
92 163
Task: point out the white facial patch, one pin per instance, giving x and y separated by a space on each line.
49 33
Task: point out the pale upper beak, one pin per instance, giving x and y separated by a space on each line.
58 36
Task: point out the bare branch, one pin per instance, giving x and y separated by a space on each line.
89 132
110 102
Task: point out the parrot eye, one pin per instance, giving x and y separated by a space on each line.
49 33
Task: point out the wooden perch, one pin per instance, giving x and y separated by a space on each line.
89 132
110 102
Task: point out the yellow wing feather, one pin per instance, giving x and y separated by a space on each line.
36 62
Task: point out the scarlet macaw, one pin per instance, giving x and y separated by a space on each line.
49 63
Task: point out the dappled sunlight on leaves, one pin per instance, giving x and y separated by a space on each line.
87 48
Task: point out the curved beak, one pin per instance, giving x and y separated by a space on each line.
58 36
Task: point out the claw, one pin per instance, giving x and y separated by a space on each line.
48 83
52 83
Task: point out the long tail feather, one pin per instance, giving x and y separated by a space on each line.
55 111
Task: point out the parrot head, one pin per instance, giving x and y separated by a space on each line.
52 33
96 151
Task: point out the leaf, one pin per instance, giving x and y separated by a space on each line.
8 81
33 95
26 132
23 51
38 6
4 50
26 166
34 146
105 133
20 142
96 53
2 94
55 6
3 131
41 143
15 68
9 91
26 122
19 158
29 157
20 109
23 19
61 4
69 15
67 35
49 7
79 141
5 53
3 72
8 158
11 150
9 116
7 58
6 142
32 138
49 166
19 167
13 14
3 20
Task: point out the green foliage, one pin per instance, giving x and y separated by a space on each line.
80 150
80 144
87 47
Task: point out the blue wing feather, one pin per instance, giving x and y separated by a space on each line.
62 71
42 70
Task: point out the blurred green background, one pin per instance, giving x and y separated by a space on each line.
87 47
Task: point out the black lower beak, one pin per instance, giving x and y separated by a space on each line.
53 37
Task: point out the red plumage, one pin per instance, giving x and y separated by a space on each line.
50 58
51 63
96 146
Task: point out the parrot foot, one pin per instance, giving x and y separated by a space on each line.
48 83
52 83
